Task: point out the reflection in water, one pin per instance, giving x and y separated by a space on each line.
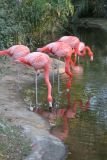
63 115
85 133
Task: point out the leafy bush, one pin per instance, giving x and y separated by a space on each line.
32 22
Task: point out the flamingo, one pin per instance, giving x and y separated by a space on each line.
60 49
80 48
16 51
39 60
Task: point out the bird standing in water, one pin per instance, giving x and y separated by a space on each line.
80 48
39 60
60 49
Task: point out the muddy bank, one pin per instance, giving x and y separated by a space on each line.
13 108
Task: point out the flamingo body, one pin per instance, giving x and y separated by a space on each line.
59 49
71 40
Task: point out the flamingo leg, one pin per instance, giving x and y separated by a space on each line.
58 76
18 76
78 59
36 87
47 81
67 70
53 76
67 67
37 104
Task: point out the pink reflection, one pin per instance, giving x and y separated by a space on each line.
62 116
65 115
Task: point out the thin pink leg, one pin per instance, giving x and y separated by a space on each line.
67 66
47 81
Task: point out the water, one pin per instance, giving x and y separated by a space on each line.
80 117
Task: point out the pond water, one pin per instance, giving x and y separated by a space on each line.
80 116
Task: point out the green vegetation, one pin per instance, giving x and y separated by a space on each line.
32 22
14 145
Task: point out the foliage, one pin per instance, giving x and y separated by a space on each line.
32 22
41 20
8 27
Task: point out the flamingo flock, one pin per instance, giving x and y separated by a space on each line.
64 47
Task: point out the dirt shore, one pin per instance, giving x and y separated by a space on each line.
13 108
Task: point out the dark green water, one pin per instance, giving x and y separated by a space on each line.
87 138
81 117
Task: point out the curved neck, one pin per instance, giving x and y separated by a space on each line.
90 53
46 72
77 50
5 52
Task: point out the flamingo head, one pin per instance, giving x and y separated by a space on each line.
81 48
91 58
90 53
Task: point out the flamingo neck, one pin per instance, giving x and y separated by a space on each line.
23 60
5 52
43 49
77 49
90 53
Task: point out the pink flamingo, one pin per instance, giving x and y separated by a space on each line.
60 49
80 48
16 51
39 60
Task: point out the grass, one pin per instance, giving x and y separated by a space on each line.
14 145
